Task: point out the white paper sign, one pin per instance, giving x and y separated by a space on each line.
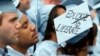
75 21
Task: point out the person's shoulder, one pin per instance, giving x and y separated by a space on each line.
44 43
47 44
13 52
0 54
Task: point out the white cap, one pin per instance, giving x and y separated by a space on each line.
16 2
96 6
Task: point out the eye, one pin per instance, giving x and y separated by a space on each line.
24 25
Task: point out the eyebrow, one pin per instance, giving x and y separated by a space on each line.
13 19
24 22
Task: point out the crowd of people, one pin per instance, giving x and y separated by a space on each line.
27 28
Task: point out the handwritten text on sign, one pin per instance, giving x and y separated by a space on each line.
75 21
78 17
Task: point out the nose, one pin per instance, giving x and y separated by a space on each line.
33 27
29 1
18 25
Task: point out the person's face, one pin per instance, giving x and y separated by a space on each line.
46 1
9 28
25 4
51 1
28 35
60 11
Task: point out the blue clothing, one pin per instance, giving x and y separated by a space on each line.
96 50
47 48
13 52
2 53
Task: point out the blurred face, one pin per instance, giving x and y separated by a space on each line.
24 4
51 1
27 34
60 11
9 28
46 1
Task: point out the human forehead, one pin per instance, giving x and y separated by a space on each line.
9 15
60 8
23 19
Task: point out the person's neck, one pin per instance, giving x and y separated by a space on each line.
20 48
53 37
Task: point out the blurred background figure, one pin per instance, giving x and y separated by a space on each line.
40 20
48 2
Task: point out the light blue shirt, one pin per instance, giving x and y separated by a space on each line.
96 50
2 52
47 48
13 52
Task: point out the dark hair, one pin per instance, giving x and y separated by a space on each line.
50 23
92 34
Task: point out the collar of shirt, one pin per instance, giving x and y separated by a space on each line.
13 52
46 48
1 50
